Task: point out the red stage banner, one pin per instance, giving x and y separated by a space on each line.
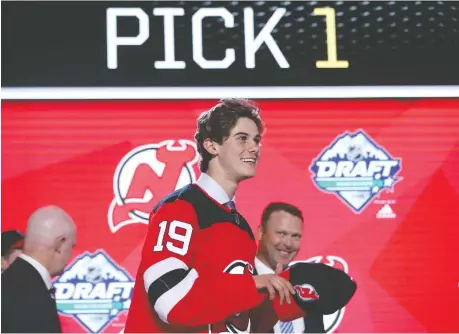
377 181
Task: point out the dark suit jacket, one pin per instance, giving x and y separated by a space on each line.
27 306
314 323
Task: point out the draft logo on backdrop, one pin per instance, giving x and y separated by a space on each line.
145 175
93 290
356 169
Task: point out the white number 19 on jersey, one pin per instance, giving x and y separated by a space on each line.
181 241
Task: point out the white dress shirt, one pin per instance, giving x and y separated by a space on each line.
298 324
44 273
213 189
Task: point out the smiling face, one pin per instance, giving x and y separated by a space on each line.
237 156
280 239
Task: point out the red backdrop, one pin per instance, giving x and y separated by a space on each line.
404 257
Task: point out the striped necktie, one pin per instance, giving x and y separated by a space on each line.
286 327
230 205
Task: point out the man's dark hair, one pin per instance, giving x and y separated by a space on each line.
217 123
279 206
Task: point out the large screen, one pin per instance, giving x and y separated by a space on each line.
229 43
377 181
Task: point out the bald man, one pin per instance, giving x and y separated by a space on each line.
28 304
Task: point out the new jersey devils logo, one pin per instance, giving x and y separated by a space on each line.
331 321
306 292
239 267
237 323
147 174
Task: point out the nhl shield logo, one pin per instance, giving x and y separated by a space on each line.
355 169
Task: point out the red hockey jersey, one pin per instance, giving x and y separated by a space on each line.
196 271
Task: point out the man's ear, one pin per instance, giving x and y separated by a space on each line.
210 146
59 243
260 232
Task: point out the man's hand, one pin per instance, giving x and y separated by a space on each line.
273 283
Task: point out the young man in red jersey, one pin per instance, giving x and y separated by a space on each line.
196 272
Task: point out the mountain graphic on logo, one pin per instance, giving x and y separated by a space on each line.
93 290
341 149
81 269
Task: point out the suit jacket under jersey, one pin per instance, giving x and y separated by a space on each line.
186 281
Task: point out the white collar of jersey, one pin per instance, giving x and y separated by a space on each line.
44 273
213 189
262 268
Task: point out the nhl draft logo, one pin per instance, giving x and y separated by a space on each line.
93 290
145 175
356 169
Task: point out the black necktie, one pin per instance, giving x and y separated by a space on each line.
52 292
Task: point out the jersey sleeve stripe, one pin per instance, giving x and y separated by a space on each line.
159 269
165 283
166 302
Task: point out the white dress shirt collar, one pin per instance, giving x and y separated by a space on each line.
262 268
213 189
44 273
